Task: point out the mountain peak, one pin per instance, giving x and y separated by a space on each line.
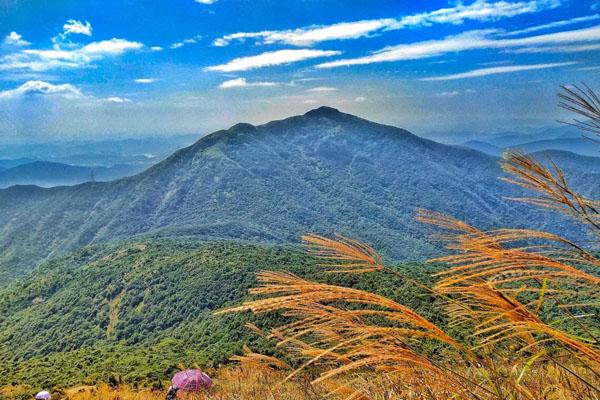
323 111
243 127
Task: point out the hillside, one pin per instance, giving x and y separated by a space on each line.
139 310
322 172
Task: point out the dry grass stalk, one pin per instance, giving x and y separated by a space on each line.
351 331
583 101
482 274
487 256
551 186
257 360
343 254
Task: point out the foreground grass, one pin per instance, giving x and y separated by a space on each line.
250 382
245 382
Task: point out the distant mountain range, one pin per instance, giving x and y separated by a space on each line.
14 162
322 172
49 174
569 161
106 152
512 139
566 138
70 163
582 146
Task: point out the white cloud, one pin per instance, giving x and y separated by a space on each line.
310 36
24 62
144 80
419 50
480 10
594 68
220 42
112 47
360 99
43 60
206 1
191 40
499 62
41 88
14 39
242 83
577 48
279 57
322 89
555 24
71 27
497 70
37 88
472 40
118 100
156 48
77 27
453 93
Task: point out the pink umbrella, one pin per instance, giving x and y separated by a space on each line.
191 380
43 396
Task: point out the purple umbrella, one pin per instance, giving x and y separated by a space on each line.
191 380
43 396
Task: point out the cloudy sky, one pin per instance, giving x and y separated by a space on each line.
92 69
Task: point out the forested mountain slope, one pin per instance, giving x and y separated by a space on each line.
137 311
322 172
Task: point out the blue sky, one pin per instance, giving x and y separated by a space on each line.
94 69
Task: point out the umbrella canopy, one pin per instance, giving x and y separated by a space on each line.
43 395
191 380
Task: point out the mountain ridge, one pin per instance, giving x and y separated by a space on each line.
324 172
581 146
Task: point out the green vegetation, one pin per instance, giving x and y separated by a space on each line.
134 312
